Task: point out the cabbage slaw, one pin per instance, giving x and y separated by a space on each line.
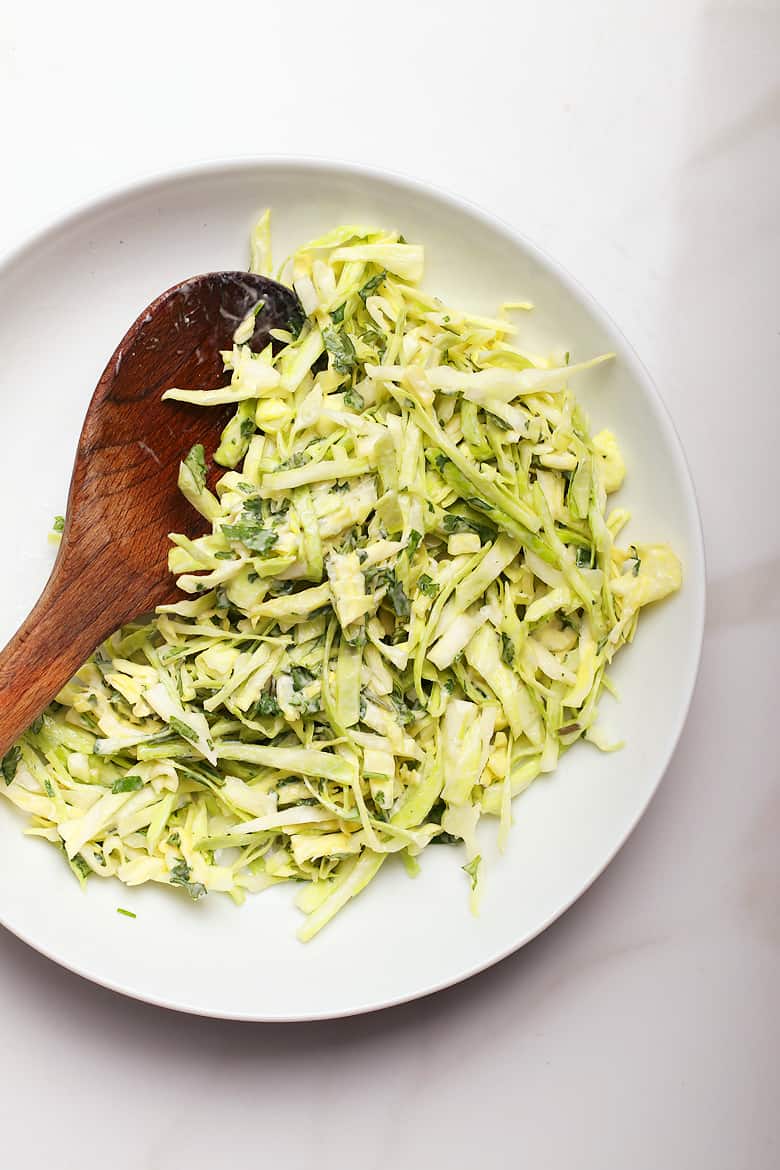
401 613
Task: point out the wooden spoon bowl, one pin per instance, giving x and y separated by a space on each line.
123 499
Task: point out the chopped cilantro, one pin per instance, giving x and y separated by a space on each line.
252 508
342 351
296 460
180 876
427 585
397 597
183 729
257 539
370 287
266 705
354 400
10 762
127 784
454 522
196 465
405 713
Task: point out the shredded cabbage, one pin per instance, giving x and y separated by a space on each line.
401 613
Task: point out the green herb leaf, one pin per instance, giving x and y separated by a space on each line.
453 522
253 508
406 714
10 763
427 585
354 400
297 459
196 465
127 784
59 524
397 597
265 705
337 315
127 913
507 649
414 542
183 729
257 539
371 286
180 876
341 350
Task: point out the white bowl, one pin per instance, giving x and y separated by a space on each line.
66 298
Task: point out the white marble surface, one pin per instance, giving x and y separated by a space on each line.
639 144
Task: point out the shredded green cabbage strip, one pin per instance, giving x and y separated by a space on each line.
400 614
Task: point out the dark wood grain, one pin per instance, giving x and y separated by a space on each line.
124 500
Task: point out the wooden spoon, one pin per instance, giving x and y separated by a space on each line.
124 500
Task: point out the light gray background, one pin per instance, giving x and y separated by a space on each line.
639 144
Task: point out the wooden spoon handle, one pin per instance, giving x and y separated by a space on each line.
72 616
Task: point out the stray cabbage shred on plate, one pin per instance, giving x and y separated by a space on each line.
401 612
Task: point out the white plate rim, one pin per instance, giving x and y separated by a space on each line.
146 182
